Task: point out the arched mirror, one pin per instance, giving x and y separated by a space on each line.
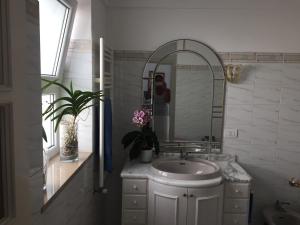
184 86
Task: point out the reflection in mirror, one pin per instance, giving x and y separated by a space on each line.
182 95
183 84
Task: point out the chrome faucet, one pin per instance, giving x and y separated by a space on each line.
183 154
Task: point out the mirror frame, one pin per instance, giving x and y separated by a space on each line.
193 146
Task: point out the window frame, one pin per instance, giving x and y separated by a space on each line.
53 149
64 42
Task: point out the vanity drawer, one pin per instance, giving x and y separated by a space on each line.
236 205
237 190
134 217
235 219
135 202
134 186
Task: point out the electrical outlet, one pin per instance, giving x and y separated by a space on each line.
231 133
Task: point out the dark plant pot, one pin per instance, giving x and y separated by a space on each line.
146 155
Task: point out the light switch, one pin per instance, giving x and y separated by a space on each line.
231 133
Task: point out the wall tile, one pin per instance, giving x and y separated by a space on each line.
289 115
265 115
243 56
269 57
239 114
292 57
248 74
291 76
290 95
288 135
268 75
264 134
239 94
266 95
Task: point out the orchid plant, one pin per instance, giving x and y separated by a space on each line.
141 139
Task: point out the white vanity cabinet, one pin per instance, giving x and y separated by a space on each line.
167 204
184 206
134 201
153 200
236 203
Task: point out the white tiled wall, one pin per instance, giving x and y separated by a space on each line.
264 108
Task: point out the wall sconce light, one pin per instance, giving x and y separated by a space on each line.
233 73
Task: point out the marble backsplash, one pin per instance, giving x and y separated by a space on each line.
264 106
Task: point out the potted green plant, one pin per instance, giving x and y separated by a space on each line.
68 108
143 141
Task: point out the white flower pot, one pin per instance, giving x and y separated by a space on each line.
146 155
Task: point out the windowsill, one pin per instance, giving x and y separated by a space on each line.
59 174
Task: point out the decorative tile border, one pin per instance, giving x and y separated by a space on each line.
241 57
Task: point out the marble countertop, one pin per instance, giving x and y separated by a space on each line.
231 171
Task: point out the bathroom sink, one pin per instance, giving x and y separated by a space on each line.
186 169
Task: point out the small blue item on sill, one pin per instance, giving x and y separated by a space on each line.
107 135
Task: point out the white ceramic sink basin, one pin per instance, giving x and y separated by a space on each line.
186 169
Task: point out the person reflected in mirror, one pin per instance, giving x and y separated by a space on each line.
161 88
162 98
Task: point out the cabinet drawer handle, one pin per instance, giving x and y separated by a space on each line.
236 206
184 195
237 191
191 195
235 221
134 187
134 202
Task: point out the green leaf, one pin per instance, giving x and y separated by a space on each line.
54 82
86 108
60 116
49 83
74 103
156 143
71 87
51 106
57 109
130 137
44 135
136 149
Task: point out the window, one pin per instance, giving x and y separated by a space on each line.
56 19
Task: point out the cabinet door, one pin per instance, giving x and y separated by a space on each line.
205 206
167 204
